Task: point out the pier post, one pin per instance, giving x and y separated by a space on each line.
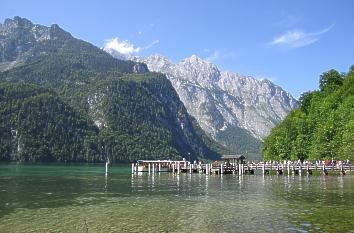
324 171
153 168
207 169
278 170
190 168
288 168
149 168
178 167
107 162
221 169
300 168
132 168
159 167
263 168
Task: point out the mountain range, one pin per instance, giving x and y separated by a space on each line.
65 100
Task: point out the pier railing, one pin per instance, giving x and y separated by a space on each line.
152 166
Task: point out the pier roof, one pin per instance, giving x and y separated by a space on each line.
237 157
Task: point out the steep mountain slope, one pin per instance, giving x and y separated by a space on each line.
322 127
235 110
136 115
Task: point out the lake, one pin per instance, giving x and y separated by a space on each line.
48 198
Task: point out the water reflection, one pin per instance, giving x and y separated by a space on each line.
167 202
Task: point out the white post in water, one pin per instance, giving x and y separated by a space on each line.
159 167
190 168
288 168
300 168
149 168
107 162
132 168
263 168
221 169
178 167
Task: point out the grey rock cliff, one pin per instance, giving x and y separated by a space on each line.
223 100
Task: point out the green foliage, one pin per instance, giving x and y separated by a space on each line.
330 80
322 127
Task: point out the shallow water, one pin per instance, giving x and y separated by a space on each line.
38 198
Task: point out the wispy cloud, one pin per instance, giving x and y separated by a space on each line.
151 44
298 38
124 47
217 54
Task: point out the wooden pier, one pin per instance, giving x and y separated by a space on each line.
156 166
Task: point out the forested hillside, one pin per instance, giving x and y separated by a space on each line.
322 127
36 125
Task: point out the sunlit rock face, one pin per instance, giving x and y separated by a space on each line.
220 100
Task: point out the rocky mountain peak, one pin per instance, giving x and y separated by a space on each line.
21 40
196 69
158 62
17 22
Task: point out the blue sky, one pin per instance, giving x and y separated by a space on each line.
288 42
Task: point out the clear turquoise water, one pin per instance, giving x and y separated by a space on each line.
39 198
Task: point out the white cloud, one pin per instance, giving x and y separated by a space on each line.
124 47
298 38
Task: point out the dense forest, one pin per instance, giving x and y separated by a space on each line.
36 125
322 127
